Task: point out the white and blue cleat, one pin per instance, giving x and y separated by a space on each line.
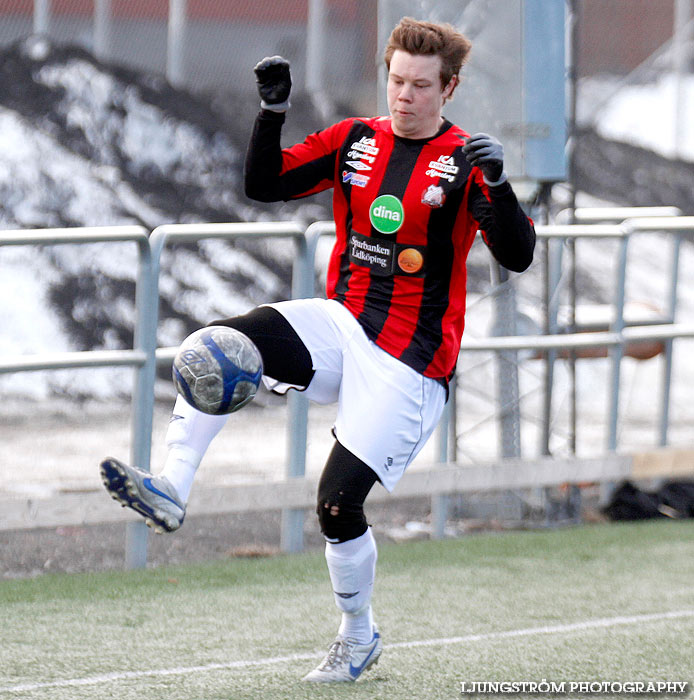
151 496
347 660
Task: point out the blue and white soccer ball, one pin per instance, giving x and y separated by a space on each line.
217 370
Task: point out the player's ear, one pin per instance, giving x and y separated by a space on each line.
449 88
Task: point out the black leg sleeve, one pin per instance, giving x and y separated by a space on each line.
285 357
342 490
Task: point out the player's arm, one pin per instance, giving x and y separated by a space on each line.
272 174
506 229
263 165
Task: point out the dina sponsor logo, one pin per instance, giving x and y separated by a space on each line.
386 213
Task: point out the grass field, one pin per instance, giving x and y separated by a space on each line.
594 603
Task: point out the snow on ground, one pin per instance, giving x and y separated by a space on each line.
657 115
87 145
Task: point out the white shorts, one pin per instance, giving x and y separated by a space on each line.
386 410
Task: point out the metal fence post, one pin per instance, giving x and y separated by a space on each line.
553 265
616 354
176 41
147 310
103 29
668 344
42 16
505 324
507 372
445 449
292 534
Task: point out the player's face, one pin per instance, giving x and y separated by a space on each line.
415 95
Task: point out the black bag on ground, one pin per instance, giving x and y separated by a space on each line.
675 499
630 503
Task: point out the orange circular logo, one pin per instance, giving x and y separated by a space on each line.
410 260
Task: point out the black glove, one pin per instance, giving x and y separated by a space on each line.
487 153
274 81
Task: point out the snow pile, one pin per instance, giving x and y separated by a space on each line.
656 116
88 144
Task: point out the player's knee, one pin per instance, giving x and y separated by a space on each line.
339 519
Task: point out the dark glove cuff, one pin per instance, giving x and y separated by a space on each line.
273 116
502 178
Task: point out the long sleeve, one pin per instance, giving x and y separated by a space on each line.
273 174
264 158
507 231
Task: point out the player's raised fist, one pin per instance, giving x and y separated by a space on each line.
274 80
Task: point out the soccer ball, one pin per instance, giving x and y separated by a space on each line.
217 370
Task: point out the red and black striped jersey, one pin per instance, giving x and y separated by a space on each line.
406 213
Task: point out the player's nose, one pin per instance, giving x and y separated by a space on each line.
405 93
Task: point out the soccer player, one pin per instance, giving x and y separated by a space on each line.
410 192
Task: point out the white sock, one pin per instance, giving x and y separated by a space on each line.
359 627
352 567
179 468
189 434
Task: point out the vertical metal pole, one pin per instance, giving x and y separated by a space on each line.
382 75
681 56
102 29
571 41
552 274
453 419
315 47
572 72
571 328
549 359
42 16
439 502
136 543
508 402
292 532
175 59
292 529
617 352
553 259
146 304
668 344
505 324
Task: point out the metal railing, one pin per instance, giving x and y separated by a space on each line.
144 355
302 286
140 356
663 220
102 358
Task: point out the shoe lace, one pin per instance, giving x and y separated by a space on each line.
339 650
